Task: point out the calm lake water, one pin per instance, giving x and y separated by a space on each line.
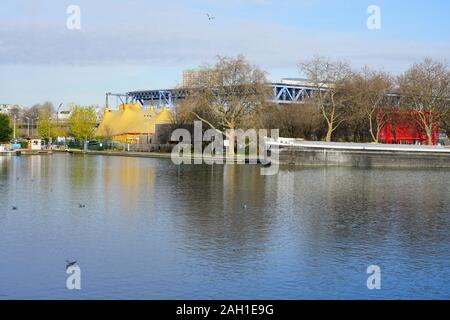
153 230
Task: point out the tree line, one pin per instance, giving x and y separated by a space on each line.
349 105
80 125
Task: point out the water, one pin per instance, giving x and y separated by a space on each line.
153 230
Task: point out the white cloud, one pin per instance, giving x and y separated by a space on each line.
156 41
193 40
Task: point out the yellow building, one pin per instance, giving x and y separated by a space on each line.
131 122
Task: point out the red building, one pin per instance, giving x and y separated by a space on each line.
403 127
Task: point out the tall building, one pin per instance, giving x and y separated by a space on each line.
195 77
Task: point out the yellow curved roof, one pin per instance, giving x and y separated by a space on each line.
132 119
160 118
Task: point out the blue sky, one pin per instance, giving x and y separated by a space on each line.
145 44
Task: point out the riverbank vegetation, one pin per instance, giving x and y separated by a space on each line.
5 128
82 123
351 105
41 121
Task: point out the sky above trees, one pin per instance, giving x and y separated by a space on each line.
124 46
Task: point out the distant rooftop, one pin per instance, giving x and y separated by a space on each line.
296 81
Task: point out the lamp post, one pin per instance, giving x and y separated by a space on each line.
106 98
14 135
32 124
57 114
28 126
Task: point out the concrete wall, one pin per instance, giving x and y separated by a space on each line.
365 159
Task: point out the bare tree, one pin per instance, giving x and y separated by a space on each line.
425 89
183 112
369 90
300 120
330 79
36 109
225 97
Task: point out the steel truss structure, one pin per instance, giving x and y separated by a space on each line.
158 98
292 94
282 94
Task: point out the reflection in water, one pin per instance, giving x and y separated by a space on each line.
151 229
214 222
